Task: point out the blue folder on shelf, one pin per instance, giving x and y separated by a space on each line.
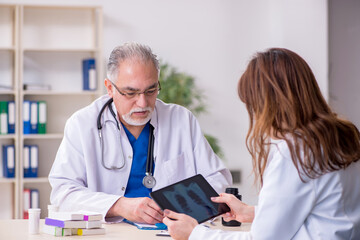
8 161
11 117
26 117
89 74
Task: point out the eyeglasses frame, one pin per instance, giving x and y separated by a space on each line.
135 93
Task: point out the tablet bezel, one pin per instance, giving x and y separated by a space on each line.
162 201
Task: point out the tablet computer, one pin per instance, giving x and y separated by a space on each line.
192 197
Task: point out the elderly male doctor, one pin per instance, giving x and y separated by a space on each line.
128 143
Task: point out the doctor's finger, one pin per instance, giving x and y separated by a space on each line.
154 206
149 219
158 216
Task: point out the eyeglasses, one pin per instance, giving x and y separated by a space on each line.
147 93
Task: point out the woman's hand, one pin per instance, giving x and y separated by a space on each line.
180 225
239 211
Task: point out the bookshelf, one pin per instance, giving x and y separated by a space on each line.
9 72
44 46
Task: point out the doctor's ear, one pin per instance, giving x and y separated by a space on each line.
109 87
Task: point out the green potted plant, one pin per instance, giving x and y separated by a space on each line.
178 87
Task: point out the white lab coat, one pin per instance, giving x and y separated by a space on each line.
324 208
80 182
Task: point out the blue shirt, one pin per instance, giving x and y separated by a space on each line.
135 188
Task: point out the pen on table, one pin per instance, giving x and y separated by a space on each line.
211 221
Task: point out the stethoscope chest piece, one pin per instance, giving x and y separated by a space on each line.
149 181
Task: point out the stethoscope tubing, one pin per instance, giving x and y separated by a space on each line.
148 181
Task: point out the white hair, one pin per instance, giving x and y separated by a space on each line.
129 51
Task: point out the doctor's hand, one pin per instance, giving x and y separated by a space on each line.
141 210
239 211
179 225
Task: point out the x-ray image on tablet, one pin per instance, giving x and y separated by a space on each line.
192 197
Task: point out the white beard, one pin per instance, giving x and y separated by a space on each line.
137 122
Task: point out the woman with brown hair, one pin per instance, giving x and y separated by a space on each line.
304 157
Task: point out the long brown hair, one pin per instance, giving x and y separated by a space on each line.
283 99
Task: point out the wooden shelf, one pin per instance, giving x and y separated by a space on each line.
8 136
43 136
36 180
7 180
7 92
89 8
2 48
63 93
71 50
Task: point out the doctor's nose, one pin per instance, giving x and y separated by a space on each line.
141 100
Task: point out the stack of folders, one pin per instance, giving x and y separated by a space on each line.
31 200
8 161
34 117
73 223
7 117
31 161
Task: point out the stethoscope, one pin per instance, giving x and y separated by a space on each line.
149 180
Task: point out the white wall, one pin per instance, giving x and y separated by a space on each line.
213 40
344 57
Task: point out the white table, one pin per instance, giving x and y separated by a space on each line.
18 229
